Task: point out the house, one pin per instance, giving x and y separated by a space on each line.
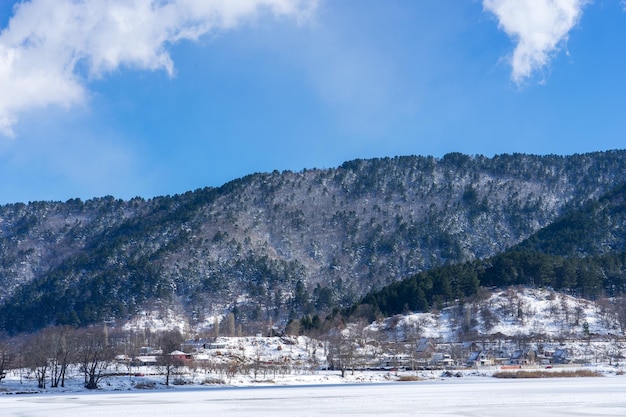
144 360
442 359
479 358
561 356
424 350
522 357
395 361
182 356
194 345
147 351
425 347
123 359
201 345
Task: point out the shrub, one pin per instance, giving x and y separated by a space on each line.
145 385
546 374
179 381
213 381
409 378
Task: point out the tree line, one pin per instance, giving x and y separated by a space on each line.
589 277
55 353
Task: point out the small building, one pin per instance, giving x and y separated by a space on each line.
440 359
425 347
395 361
561 356
194 345
144 360
215 346
123 359
182 356
522 357
147 351
201 345
478 358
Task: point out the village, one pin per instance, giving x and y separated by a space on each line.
529 328
544 331
260 356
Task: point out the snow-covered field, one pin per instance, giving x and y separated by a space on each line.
452 397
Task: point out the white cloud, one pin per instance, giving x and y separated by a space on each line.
539 28
47 42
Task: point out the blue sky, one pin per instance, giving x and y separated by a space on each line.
146 98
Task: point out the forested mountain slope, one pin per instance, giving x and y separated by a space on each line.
270 245
583 252
597 228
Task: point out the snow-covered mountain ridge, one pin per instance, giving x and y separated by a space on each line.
287 243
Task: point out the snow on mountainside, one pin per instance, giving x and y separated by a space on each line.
499 322
291 242
514 312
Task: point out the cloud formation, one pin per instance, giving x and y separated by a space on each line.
50 45
538 26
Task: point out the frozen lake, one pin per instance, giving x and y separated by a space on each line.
458 397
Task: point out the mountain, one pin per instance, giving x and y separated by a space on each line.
597 228
582 252
285 244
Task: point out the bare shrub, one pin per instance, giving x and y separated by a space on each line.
145 385
546 374
409 378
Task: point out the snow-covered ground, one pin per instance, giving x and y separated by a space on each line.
522 318
152 379
513 312
510 312
458 397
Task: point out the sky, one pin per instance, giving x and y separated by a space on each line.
158 97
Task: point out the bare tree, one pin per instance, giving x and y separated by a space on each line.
62 344
6 358
36 353
413 334
620 312
216 326
341 352
170 342
230 324
95 355
293 328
